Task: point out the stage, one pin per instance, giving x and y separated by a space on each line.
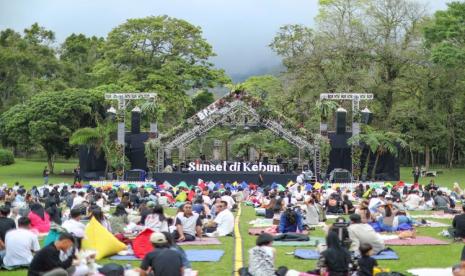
192 177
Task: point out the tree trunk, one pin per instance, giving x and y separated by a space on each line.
427 156
373 172
412 158
50 162
367 163
226 150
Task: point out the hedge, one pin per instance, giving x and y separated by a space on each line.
6 157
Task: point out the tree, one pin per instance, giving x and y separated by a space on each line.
161 54
202 99
100 139
79 54
28 64
48 119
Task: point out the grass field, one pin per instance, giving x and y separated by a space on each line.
29 173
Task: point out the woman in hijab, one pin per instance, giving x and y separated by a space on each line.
119 219
40 220
335 260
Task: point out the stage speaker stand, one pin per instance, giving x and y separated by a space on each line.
341 121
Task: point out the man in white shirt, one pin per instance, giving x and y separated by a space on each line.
224 221
19 244
413 201
78 200
188 224
228 198
74 225
361 233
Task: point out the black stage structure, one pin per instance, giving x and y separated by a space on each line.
233 108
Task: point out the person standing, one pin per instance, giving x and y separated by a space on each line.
416 174
45 174
77 174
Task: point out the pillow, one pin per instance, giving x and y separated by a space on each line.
98 238
141 245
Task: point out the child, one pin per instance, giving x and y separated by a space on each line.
366 263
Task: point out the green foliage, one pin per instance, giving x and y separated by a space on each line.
48 119
28 64
6 157
202 99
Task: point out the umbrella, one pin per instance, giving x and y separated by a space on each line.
317 185
281 188
182 184
308 187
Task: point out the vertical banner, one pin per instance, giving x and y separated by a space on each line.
121 133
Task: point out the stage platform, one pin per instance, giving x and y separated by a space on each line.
192 177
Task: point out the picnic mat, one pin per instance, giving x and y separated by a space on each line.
257 223
124 258
434 224
269 230
435 216
204 255
312 242
203 241
419 240
193 255
309 254
431 271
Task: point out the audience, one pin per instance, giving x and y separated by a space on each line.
362 233
20 244
162 260
54 259
188 224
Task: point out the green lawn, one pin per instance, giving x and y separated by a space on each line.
29 173
446 178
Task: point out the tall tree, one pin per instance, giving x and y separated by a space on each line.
161 54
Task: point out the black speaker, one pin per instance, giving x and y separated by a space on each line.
366 117
341 120
135 122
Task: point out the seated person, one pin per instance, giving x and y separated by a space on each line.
40 220
163 260
20 244
333 206
347 205
364 212
224 221
361 233
157 220
386 220
458 224
312 213
340 228
6 224
336 259
441 202
74 226
188 224
262 256
119 219
290 221
375 202
413 201
55 258
366 263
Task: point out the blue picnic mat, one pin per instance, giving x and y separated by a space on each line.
204 255
124 258
309 254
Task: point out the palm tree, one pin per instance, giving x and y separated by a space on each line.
99 138
378 142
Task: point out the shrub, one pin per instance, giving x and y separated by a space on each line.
6 157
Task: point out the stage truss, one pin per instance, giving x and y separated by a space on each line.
234 113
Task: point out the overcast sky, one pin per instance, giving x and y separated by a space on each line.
238 30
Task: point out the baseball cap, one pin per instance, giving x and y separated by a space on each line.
158 238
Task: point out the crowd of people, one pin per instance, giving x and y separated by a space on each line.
206 210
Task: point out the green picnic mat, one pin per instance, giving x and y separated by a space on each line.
312 242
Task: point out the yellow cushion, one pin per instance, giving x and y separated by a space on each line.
99 239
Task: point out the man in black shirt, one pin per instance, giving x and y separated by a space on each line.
6 224
458 224
163 260
50 258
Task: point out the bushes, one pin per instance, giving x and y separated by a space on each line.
6 157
